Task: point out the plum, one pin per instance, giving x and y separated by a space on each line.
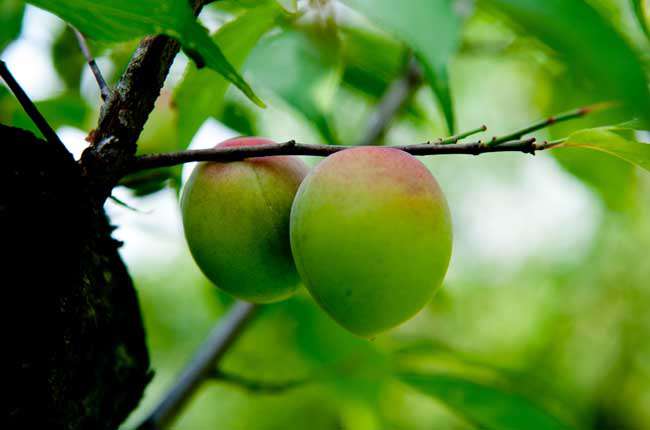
236 222
371 236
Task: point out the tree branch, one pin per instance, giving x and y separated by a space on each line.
221 154
451 145
30 108
213 349
104 90
460 136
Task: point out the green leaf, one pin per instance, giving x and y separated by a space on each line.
11 19
237 116
487 407
618 142
589 44
640 8
301 70
371 60
431 28
119 20
617 188
201 94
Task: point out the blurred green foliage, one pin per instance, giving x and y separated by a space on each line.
551 339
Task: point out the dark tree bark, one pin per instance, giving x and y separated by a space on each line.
74 345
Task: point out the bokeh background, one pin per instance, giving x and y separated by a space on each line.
548 290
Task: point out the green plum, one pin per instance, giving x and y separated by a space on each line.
236 222
371 236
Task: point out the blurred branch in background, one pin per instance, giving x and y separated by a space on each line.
258 387
104 89
224 334
396 97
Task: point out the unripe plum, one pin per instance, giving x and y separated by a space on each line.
371 237
236 222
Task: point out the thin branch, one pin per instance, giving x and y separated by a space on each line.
460 136
28 105
397 95
258 387
223 335
104 89
567 116
226 154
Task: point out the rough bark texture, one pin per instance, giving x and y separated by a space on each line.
75 345
113 143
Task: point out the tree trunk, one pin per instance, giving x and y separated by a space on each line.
74 342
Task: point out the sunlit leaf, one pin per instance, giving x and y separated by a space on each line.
616 188
589 44
487 407
431 28
303 71
119 20
618 142
201 94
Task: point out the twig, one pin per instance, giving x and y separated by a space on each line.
213 349
460 136
260 387
396 96
227 154
576 113
104 89
28 105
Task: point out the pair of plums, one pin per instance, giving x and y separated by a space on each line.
367 231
